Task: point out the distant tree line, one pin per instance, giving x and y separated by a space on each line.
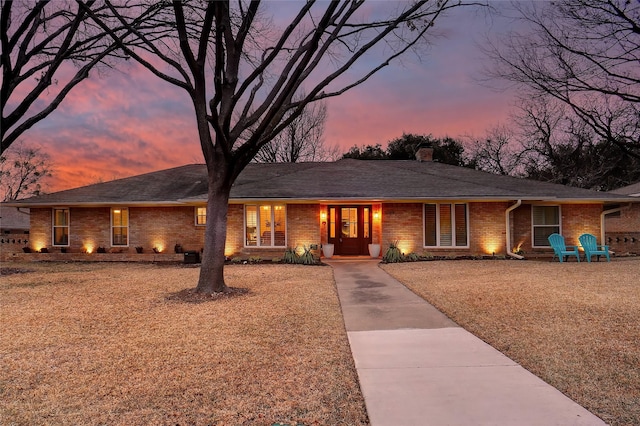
446 150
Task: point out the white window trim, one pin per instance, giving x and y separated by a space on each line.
258 231
453 230
127 227
53 227
533 226
195 219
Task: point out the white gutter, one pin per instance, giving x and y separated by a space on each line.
508 223
602 223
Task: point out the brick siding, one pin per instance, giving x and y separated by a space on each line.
623 231
151 227
576 219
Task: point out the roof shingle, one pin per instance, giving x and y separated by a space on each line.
346 179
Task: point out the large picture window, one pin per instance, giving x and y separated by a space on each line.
545 221
60 227
446 225
265 225
119 226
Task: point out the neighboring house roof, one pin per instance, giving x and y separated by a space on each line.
13 219
346 179
631 190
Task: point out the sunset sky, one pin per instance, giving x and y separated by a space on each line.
125 121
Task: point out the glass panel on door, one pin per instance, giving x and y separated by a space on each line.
349 218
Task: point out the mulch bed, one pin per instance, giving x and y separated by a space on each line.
189 295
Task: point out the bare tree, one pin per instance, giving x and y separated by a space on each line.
499 152
22 171
584 54
245 78
46 49
301 140
559 146
545 141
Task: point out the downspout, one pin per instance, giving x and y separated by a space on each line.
602 223
508 223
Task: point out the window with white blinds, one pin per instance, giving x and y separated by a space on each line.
545 220
446 225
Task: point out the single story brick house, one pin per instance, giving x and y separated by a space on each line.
623 223
424 206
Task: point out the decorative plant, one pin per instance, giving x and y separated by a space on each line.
393 254
101 250
412 257
139 249
290 255
255 259
307 258
178 248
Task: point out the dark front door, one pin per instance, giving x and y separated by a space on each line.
350 229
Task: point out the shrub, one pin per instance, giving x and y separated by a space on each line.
411 257
290 255
393 254
307 257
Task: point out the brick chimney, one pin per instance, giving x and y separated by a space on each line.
424 152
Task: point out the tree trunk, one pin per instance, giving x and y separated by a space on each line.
212 270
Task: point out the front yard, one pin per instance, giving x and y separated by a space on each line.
577 326
100 344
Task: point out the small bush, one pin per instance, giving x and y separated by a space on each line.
236 260
393 254
307 258
255 259
411 257
290 255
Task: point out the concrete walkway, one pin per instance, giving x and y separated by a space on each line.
417 367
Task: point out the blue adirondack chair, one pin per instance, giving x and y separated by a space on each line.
561 250
591 247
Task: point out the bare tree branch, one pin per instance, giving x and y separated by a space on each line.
583 53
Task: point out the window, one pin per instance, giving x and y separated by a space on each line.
60 227
265 225
349 217
332 222
119 227
201 216
446 225
545 221
367 225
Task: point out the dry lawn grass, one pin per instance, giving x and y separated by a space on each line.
577 326
100 344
